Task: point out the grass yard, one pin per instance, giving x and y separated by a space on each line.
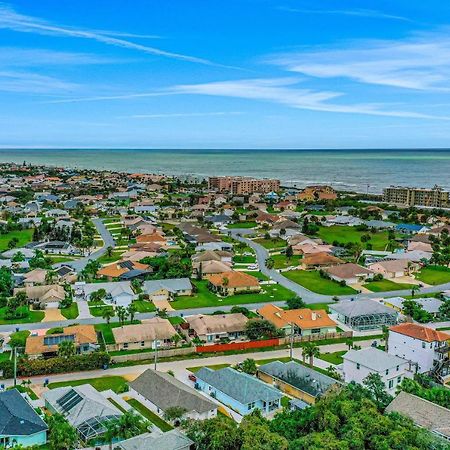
346 234
277 243
386 285
98 308
61 258
176 320
115 383
333 358
20 337
282 262
115 255
144 306
204 297
33 316
316 306
257 274
434 275
243 225
212 367
24 237
106 330
314 282
244 259
71 312
149 415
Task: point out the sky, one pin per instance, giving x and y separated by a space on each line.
225 74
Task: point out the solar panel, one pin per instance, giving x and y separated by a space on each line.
57 339
69 400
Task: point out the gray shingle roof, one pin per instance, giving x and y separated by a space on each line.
360 308
374 358
240 386
165 391
172 285
17 417
171 440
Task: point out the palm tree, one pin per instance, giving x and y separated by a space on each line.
349 343
132 310
122 314
50 277
175 339
130 424
112 432
415 289
66 349
109 251
311 350
108 314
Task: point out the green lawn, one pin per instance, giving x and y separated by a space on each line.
434 275
24 237
144 306
97 308
316 306
248 224
277 243
346 234
20 337
282 262
212 367
33 316
106 330
245 259
61 258
386 285
71 312
257 274
204 297
119 407
115 383
314 282
115 256
176 320
333 358
149 415
5 356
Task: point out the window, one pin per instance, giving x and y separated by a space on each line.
391 384
423 344
358 366
125 345
251 406
399 380
142 343
398 368
387 371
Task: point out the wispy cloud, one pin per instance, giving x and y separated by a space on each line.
183 115
419 62
12 20
369 13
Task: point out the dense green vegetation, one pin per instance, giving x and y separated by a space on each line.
19 237
149 415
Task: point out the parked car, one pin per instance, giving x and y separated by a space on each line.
192 377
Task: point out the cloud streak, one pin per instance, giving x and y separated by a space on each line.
184 115
11 20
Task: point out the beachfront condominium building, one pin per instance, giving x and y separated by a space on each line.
435 197
243 185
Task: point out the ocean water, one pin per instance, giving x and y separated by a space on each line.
356 170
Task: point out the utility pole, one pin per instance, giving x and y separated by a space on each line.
292 341
15 366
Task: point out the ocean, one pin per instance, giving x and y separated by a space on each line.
355 170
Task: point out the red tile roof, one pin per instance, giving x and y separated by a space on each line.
420 332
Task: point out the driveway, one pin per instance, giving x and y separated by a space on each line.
108 241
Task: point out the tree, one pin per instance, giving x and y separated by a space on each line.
270 263
174 412
175 339
349 343
50 276
162 313
112 433
311 351
122 314
260 329
98 295
132 310
289 252
295 303
377 389
108 314
66 349
61 435
131 424
415 288
247 366
109 251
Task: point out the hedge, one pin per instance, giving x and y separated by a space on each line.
77 363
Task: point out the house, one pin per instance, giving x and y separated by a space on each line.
84 338
320 259
118 293
47 296
350 273
219 220
167 289
314 193
57 214
124 270
297 380
304 321
35 277
308 248
159 391
421 345
20 424
240 391
363 314
414 256
218 326
346 220
423 413
230 283
395 268
170 440
208 268
358 364
151 333
429 304
86 409
212 255
409 228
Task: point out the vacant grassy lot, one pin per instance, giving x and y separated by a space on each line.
33 316
24 237
333 358
386 285
242 225
434 275
71 312
314 282
106 330
149 415
345 234
282 261
115 383
271 243
204 297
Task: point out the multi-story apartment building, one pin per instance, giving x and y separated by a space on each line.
435 197
243 185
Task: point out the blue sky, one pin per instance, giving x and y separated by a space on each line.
225 74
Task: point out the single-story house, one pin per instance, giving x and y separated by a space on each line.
218 326
35 277
242 392
305 321
423 413
212 267
395 268
159 391
20 424
167 289
57 214
84 338
229 283
358 364
409 228
415 256
47 296
151 333
121 269
429 304
350 273
170 440
297 380
118 293
320 259
86 409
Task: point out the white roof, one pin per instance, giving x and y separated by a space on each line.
374 359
